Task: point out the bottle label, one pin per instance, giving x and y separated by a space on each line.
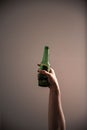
44 67
43 80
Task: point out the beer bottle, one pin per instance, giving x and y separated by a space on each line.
43 79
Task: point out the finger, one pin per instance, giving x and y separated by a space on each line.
51 70
43 72
38 64
39 70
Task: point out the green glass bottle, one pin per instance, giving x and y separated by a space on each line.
43 79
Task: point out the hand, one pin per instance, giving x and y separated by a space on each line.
51 78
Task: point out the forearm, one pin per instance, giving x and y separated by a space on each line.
56 120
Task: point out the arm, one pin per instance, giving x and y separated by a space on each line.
56 119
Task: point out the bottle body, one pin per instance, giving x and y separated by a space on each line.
43 79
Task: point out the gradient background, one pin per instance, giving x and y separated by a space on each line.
26 27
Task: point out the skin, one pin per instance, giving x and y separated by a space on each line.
56 119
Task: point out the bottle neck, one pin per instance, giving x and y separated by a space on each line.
45 59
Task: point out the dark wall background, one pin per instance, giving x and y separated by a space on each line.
26 27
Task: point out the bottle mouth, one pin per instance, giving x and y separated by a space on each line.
46 47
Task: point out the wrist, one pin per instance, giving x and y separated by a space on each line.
55 89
